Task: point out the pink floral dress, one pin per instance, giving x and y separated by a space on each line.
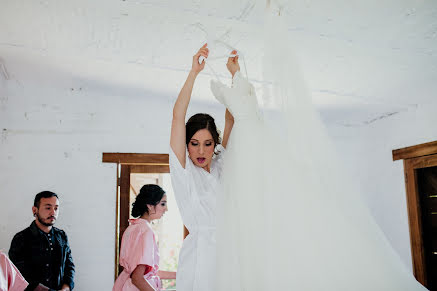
138 247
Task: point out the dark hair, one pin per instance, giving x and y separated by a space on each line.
201 121
150 194
43 194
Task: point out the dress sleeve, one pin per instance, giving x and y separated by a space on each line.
176 168
14 281
220 157
218 89
180 181
148 246
138 248
240 99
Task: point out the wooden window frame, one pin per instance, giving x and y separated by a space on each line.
415 158
128 163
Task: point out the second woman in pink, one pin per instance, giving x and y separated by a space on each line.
139 254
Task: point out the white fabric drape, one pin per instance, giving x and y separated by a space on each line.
290 219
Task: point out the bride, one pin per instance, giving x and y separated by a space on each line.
288 218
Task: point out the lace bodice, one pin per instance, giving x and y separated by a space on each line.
240 99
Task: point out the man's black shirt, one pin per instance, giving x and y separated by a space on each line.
43 257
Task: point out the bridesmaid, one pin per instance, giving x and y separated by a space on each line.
139 253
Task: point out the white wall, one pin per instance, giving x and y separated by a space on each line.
54 127
367 153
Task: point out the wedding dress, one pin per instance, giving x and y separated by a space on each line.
288 219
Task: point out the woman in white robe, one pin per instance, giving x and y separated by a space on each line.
196 168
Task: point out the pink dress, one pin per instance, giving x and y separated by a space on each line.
10 277
138 247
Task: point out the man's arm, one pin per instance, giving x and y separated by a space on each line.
68 280
17 254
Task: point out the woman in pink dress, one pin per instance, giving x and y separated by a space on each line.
139 253
10 278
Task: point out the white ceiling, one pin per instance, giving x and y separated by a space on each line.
363 60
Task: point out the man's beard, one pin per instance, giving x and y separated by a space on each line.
40 219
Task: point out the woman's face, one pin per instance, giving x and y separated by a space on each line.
201 149
157 211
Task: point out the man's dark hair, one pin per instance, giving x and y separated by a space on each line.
43 194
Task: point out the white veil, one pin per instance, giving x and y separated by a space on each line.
290 218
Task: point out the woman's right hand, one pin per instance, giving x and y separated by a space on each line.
196 67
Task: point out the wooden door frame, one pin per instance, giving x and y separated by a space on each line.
128 163
415 158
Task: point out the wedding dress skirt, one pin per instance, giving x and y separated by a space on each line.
288 219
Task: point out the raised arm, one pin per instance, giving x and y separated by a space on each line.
177 137
229 123
233 67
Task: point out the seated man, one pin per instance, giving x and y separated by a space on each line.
41 252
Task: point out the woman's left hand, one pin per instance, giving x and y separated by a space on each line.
232 64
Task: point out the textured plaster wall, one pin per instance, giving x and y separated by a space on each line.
54 128
85 77
367 154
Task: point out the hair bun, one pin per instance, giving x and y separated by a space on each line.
150 194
